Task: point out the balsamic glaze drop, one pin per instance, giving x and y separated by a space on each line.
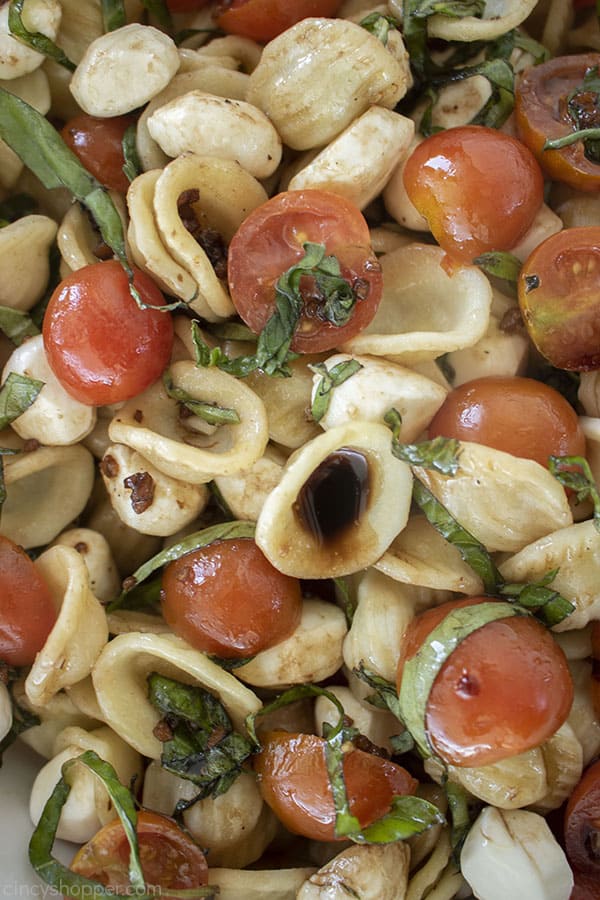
335 495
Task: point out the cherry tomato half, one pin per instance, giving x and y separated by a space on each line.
505 689
27 610
293 779
98 143
229 600
559 296
263 20
521 416
270 240
100 345
586 887
457 180
541 114
169 857
582 823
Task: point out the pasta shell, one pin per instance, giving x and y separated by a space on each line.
371 872
545 224
582 718
311 654
378 725
129 548
6 716
287 402
77 240
82 23
396 199
24 260
79 632
34 90
246 492
120 676
16 58
499 17
503 500
259 884
428 875
46 489
295 546
151 425
58 713
511 783
96 553
425 310
563 758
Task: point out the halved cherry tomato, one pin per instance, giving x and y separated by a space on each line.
100 345
293 779
270 240
98 143
521 416
263 20
559 296
586 887
457 180
505 689
229 600
27 610
169 857
541 114
582 824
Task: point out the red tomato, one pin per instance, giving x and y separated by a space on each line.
169 857
98 145
559 296
263 20
293 779
596 667
586 887
229 600
582 824
270 241
457 180
505 689
27 610
541 114
100 345
521 416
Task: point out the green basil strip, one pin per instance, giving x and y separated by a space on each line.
208 412
573 137
330 379
385 696
222 532
132 165
345 599
113 14
420 672
408 816
547 605
472 551
501 77
346 825
17 325
16 395
574 473
379 26
35 39
499 264
459 804
160 10
4 451
453 9
299 692
441 454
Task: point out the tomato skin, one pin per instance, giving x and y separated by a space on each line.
169 857
229 600
456 179
100 345
262 20
98 145
293 779
586 887
518 415
559 297
478 710
582 823
27 610
540 115
270 241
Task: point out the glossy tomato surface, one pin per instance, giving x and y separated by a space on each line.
98 143
521 416
100 345
505 689
27 610
169 857
458 180
229 600
582 824
293 779
270 241
263 20
559 296
543 97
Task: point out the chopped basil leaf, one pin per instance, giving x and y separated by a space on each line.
4 451
16 395
330 378
385 696
346 825
346 601
549 606
414 26
113 14
160 10
379 26
407 817
501 77
499 264
200 744
206 356
584 134
144 596
420 672
231 331
132 165
208 412
35 39
298 692
222 532
17 325
464 809
582 109
454 9
441 454
472 551
574 473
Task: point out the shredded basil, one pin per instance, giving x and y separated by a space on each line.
440 454
17 325
345 598
464 809
499 264
16 395
113 14
330 379
549 606
208 412
385 696
379 26
160 10
35 39
132 165
574 473
4 451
